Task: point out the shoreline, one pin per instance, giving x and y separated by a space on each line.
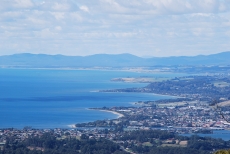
72 126
92 69
119 115
173 96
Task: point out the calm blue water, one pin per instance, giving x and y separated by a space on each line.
223 134
58 98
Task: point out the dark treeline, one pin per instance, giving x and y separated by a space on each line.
146 135
135 141
48 144
195 144
169 100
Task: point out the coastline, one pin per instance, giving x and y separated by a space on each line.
124 69
72 126
156 94
119 115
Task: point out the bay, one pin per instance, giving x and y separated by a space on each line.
43 98
217 134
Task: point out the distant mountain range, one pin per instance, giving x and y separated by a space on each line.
106 60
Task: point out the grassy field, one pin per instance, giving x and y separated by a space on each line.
181 144
221 84
147 144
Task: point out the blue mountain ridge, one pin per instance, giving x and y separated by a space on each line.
109 60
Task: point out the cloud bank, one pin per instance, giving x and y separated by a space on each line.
140 27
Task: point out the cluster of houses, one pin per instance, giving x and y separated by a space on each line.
184 119
187 117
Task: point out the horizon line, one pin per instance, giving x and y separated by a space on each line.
145 57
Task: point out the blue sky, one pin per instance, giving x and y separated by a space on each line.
141 27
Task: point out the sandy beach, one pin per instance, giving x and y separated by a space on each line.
119 115
72 126
114 112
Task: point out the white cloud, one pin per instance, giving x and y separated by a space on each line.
60 7
23 3
168 6
112 6
58 15
37 21
84 8
45 34
58 28
227 33
11 14
76 16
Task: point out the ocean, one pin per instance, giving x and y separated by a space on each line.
51 98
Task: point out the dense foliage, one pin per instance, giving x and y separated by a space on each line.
207 143
146 135
197 145
48 144
140 141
